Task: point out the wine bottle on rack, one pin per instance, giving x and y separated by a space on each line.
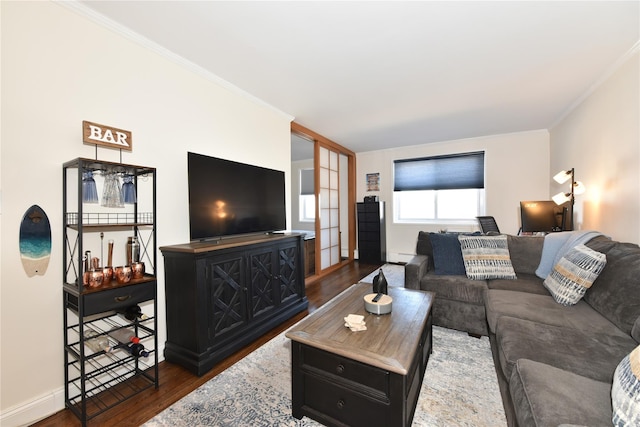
129 341
124 336
133 312
95 341
137 350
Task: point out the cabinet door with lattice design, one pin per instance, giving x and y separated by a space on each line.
263 296
289 277
227 297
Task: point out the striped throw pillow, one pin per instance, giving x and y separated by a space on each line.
574 274
486 257
625 391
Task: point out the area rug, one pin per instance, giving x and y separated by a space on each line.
459 389
394 273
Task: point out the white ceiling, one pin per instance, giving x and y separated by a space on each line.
372 75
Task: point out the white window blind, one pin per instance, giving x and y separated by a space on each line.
306 182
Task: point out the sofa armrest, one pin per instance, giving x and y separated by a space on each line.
417 267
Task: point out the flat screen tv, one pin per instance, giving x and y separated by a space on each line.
228 198
541 216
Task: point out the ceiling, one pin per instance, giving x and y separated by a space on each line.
374 75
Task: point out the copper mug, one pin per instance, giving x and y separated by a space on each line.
107 273
95 278
123 274
138 270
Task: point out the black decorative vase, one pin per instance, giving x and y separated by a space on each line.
380 283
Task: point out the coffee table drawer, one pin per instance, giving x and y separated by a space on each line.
341 367
346 406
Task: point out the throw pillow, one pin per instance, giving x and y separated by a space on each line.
625 391
447 256
574 274
486 257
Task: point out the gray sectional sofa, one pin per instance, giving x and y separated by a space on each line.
555 363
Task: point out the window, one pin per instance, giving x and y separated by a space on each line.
439 189
307 196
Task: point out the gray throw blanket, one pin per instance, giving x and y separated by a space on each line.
556 245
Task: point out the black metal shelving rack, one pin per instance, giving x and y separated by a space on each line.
97 381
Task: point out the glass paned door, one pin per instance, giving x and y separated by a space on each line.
329 207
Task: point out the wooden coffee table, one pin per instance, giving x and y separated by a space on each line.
365 378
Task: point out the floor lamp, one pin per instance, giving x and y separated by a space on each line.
577 187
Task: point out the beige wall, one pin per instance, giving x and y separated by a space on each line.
516 168
59 68
600 138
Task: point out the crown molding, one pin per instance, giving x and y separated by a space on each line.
604 77
123 31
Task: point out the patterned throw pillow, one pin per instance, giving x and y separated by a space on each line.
574 274
486 257
625 392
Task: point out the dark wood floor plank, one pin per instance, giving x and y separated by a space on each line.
176 382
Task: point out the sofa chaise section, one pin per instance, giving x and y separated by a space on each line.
555 363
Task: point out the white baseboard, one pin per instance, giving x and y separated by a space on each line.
33 411
40 407
399 257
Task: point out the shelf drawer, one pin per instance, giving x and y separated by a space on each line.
114 299
343 405
372 217
369 227
370 236
341 367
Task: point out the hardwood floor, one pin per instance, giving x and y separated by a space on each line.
176 382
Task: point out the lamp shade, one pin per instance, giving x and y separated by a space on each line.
579 188
561 198
562 177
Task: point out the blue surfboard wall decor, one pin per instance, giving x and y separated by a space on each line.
35 241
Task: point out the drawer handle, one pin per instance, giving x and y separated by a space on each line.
340 404
122 298
340 369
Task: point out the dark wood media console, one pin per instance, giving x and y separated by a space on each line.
222 295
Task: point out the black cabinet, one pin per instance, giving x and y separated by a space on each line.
220 297
100 372
372 247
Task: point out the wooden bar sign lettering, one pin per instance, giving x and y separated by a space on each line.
95 134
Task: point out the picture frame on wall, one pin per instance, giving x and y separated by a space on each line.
373 181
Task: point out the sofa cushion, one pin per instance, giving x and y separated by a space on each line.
525 252
543 309
457 288
592 355
453 314
625 392
447 256
574 274
486 257
423 245
544 395
601 243
616 292
526 282
635 331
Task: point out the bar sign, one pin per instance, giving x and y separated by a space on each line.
96 134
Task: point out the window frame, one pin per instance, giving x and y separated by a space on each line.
302 205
